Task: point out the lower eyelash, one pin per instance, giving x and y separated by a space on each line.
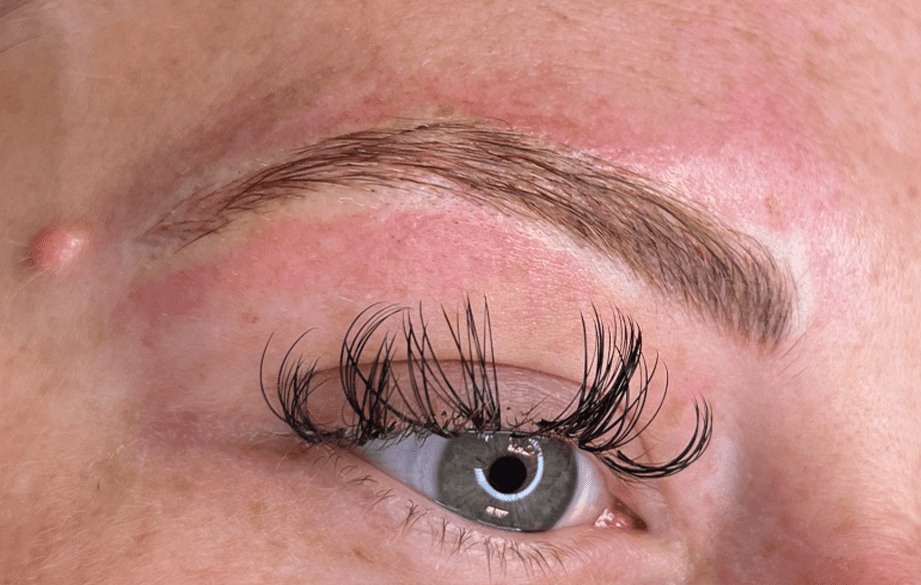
498 552
501 555
603 417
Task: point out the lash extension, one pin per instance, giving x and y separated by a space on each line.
396 386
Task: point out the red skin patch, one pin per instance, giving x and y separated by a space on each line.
55 247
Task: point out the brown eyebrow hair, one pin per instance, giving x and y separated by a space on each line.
672 246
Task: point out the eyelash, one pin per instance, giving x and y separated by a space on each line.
602 418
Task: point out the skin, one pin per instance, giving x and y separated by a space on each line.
137 448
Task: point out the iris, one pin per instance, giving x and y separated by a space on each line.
508 481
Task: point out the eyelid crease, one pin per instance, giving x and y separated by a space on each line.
673 246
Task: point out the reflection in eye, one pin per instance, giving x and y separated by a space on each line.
531 484
438 424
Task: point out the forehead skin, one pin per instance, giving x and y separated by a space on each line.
798 123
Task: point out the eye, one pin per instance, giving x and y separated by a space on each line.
439 426
502 479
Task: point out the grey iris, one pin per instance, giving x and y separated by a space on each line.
515 483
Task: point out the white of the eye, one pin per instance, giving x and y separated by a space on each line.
484 483
412 460
590 496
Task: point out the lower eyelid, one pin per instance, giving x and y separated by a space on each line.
406 522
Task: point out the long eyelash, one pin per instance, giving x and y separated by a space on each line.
605 414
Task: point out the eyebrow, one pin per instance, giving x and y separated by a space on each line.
673 246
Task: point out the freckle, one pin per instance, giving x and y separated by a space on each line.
361 556
257 515
775 206
55 247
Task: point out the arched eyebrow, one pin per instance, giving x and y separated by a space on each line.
671 245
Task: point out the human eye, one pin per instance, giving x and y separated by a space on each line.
433 408
499 478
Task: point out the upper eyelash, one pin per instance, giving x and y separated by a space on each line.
603 417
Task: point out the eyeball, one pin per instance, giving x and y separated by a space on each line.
502 479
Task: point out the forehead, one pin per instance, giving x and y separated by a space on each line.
613 76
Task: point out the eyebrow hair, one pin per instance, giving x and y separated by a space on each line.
673 246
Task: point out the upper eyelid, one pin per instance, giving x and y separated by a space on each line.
675 248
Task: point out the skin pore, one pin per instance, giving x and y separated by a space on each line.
137 446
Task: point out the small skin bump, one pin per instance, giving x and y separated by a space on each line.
55 247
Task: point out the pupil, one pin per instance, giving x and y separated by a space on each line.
507 474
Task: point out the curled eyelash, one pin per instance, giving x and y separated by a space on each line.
606 414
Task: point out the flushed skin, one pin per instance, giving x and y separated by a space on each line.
136 445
